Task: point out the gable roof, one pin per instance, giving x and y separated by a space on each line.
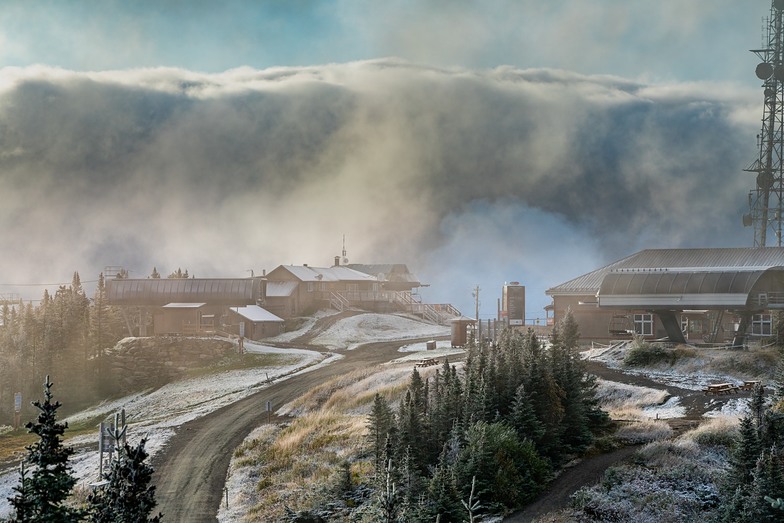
677 260
306 273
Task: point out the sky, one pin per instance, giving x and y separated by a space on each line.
479 142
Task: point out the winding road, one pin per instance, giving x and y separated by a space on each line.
191 471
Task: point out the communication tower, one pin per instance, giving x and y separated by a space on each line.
766 200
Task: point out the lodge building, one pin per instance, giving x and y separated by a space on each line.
726 295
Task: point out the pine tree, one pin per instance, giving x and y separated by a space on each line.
128 496
743 459
380 422
42 496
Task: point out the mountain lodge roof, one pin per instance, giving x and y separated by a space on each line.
692 262
306 273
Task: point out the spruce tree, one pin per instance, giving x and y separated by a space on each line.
380 422
41 496
128 496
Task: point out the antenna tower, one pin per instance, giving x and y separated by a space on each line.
766 200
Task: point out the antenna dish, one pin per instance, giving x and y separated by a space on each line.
764 70
778 4
345 260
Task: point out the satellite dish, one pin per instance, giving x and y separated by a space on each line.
765 180
778 4
345 260
764 70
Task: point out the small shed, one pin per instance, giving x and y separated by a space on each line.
460 330
182 318
254 322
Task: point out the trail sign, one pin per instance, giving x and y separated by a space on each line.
18 402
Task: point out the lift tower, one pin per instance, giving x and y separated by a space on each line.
766 200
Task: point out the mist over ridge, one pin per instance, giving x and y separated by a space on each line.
468 176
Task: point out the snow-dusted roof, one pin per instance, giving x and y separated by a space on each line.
255 313
280 289
183 305
317 274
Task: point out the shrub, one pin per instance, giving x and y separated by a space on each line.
643 353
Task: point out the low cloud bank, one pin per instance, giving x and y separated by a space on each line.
470 177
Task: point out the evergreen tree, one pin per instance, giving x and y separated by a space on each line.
128 496
442 492
380 422
523 418
42 496
768 481
743 459
155 274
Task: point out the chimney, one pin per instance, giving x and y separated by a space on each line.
337 261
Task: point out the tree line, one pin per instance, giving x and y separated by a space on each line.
66 335
488 437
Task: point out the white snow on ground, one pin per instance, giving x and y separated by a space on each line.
310 321
613 355
349 333
672 408
735 407
156 414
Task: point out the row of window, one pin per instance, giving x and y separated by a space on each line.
761 324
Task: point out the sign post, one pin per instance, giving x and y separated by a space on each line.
17 410
269 411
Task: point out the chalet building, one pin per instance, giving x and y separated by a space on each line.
294 290
257 306
686 295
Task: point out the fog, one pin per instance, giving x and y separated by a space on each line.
471 177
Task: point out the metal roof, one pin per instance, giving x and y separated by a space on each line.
160 291
677 288
255 313
682 260
325 274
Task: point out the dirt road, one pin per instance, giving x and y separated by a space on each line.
190 473
589 471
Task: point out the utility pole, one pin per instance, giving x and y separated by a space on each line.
478 321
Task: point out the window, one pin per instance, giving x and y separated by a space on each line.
761 325
643 324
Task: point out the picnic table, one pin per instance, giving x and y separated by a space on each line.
749 385
427 362
721 388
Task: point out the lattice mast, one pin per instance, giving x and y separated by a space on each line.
766 200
